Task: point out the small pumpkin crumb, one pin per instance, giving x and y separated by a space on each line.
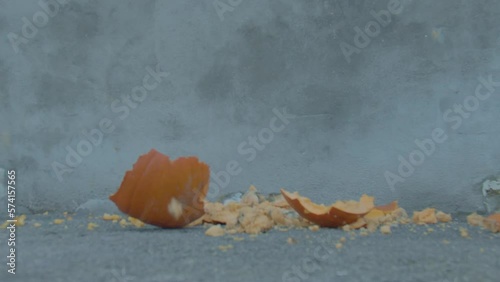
215 231
58 221
314 228
385 229
112 217
364 232
123 223
91 226
225 247
20 220
464 233
136 222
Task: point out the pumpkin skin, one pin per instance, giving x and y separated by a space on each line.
335 215
165 193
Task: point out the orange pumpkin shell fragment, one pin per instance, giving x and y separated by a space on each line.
338 214
492 222
390 207
162 192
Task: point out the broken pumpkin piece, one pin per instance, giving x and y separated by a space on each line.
492 222
426 216
389 208
430 216
162 192
475 219
215 231
443 217
218 213
376 216
361 222
338 214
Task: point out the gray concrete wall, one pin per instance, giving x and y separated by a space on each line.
355 84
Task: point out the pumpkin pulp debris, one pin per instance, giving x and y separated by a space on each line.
252 215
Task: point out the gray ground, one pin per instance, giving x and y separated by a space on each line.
70 252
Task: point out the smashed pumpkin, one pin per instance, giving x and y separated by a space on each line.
162 192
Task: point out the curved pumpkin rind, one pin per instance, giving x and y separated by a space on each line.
494 217
388 208
331 216
492 222
125 193
162 192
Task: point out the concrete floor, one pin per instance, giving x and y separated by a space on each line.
70 252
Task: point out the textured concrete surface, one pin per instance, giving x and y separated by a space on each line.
84 91
70 252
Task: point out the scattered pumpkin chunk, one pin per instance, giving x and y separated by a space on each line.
91 226
385 229
430 216
443 217
136 222
58 221
475 219
19 221
464 232
112 217
123 223
426 216
491 222
215 231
